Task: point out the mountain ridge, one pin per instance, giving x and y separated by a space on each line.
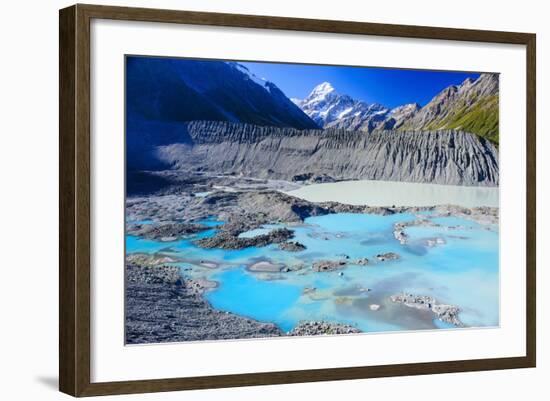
471 106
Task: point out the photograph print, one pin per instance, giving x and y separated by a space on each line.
269 199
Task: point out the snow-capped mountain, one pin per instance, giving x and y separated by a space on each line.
329 109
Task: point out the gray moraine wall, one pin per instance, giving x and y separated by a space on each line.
442 157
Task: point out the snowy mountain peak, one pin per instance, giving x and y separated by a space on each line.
322 90
330 109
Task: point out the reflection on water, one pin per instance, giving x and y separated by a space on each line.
388 193
461 269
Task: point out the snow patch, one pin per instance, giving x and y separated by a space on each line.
323 89
343 113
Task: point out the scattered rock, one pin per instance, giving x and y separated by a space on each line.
482 215
399 233
328 265
292 246
362 262
399 228
445 313
383 257
374 307
301 177
312 178
200 285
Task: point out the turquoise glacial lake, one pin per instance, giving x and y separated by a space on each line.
454 260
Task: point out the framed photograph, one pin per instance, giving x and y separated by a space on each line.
250 200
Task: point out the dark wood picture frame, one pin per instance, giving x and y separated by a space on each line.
74 199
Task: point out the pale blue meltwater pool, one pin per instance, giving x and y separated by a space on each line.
462 269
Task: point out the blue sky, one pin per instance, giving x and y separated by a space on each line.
390 87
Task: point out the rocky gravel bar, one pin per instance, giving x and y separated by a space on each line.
161 306
316 328
165 231
226 240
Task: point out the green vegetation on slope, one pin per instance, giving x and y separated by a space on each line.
480 119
